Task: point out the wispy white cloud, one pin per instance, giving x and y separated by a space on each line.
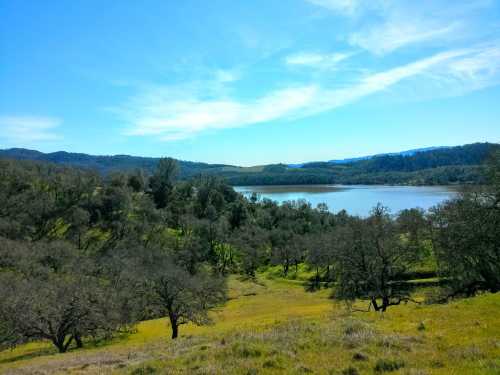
159 114
163 113
379 82
476 69
25 130
393 34
481 68
388 25
316 60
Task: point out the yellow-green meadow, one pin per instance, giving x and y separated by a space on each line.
276 326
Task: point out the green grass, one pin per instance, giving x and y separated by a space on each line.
300 273
275 326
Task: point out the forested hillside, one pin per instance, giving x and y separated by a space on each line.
455 165
85 259
441 166
107 164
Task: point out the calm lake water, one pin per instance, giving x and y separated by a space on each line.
355 199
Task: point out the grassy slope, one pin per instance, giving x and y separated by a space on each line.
275 326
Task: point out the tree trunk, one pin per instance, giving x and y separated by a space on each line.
61 346
78 340
385 303
174 324
175 331
285 268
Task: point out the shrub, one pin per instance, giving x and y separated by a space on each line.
270 364
388 365
360 357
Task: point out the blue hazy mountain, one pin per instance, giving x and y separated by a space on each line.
352 160
401 153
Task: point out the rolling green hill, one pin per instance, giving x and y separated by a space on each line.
434 166
105 163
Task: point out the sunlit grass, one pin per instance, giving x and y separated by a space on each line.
251 305
275 326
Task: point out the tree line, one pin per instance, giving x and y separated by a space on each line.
442 166
85 256
446 166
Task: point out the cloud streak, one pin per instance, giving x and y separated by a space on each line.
394 34
164 114
19 130
389 25
316 60
161 115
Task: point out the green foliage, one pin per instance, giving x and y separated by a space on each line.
182 296
50 297
373 253
388 365
467 237
93 255
454 165
72 245
296 331
162 181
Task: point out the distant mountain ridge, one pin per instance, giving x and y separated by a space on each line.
359 158
103 163
402 153
425 166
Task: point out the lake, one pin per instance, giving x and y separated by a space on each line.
355 199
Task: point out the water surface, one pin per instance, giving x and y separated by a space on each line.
355 199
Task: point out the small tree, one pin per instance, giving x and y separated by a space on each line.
250 242
286 248
79 220
58 309
371 257
466 241
50 291
320 254
238 214
162 181
181 296
466 237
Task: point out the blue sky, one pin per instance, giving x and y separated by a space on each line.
248 82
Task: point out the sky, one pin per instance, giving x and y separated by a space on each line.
248 82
